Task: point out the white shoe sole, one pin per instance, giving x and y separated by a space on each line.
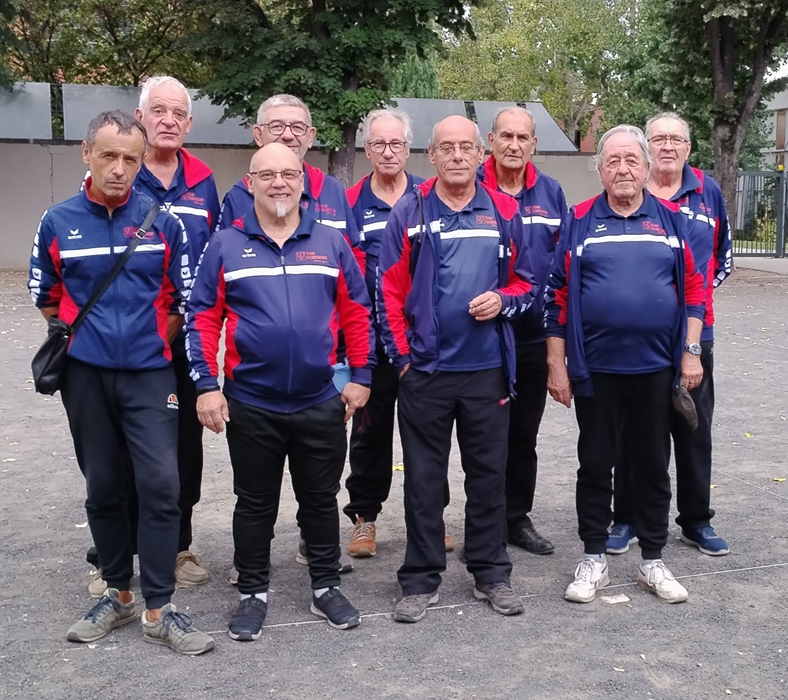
481 595
693 543
575 598
237 637
164 642
621 550
645 586
399 617
354 622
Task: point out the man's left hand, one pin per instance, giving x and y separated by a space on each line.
486 306
354 396
691 371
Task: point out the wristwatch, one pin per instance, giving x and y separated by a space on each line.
693 349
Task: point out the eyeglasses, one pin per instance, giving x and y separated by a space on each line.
674 139
467 147
277 128
380 146
269 175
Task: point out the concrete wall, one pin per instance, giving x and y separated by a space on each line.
34 176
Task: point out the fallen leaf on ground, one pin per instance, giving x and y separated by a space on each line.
778 479
10 459
643 656
748 435
714 486
615 599
398 468
80 525
620 670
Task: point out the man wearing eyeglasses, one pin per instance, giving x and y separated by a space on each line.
387 134
287 120
708 235
454 270
277 278
542 205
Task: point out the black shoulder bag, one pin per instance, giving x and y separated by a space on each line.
50 359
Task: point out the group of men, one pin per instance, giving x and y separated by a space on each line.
460 300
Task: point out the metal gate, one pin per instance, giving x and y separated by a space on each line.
758 228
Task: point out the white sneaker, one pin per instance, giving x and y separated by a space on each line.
657 578
590 576
97 586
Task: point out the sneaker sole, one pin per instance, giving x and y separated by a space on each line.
301 559
118 623
402 617
602 584
621 550
648 588
165 643
245 636
711 553
481 595
352 622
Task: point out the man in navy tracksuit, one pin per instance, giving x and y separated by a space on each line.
278 278
118 386
183 185
623 307
387 134
542 205
454 267
700 200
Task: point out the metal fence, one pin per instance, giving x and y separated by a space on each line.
758 228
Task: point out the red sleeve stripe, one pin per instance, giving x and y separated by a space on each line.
356 323
208 324
395 286
514 285
693 281
562 295
163 300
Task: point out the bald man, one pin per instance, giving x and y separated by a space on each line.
453 271
277 277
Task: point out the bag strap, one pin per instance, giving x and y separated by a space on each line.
119 265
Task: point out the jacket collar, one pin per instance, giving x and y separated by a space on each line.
100 209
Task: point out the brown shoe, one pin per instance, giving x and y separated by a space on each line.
448 543
362 540
189 571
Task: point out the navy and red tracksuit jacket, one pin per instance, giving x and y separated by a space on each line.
193 198
542 206
279 306
75 247
621 289
371 214
700 200
323 196
409 270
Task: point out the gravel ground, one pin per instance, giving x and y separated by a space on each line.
728 640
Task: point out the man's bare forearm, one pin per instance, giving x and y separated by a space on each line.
556 352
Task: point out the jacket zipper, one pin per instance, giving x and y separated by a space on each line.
116 297
290 320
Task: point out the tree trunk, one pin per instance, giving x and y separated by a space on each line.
727 150
340 162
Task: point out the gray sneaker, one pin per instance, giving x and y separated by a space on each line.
175 630
107 614
501 596
411 608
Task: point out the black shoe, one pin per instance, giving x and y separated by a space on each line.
337 609
246 623
530 540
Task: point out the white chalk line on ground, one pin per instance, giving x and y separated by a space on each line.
524 597
749 483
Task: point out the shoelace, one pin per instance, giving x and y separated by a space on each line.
585 571
502 587
708 533
177 623
619 530
101 608
658 573
362 531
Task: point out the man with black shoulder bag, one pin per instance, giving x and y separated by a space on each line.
109 271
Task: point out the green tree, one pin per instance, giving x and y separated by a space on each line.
707 60
338 56
415 77
561 52
7 41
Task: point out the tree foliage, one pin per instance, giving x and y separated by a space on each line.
562 52
118 42
7 41
337 55
415 77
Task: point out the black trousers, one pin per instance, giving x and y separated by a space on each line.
314 442
644 400
525 416
429 405
693 459
126 431
190 456
371 447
